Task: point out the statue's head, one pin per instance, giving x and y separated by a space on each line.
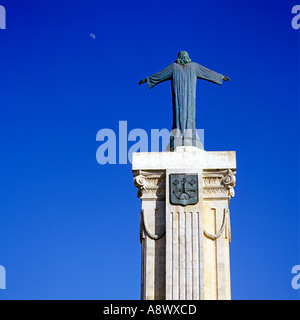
183 58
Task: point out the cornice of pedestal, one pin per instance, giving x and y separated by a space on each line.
194 159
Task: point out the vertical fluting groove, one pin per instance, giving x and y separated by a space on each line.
188 260
143 271
196 257
182 255
186 255
175 257
216 251
169 260
201 256
195 267
221 259
179 255
199 253
192 258
185 262
171 254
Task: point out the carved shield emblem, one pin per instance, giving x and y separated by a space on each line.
183 189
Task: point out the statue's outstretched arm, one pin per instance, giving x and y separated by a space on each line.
158 77
143 81
209 75
225 78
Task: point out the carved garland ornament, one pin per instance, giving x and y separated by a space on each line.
145 229
220 232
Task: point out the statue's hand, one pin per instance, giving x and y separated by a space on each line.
226 78
143 81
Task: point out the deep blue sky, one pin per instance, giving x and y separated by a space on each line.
69 227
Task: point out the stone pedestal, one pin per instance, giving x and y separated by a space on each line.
185 247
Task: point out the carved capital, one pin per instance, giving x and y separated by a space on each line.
151 184
218 183
229 182
141 183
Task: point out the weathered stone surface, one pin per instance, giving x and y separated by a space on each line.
184 157
185 249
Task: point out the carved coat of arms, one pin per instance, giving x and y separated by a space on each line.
183 189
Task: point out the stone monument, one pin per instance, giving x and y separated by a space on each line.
185 222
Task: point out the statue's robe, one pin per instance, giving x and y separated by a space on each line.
184 80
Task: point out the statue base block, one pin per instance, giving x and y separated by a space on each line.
185 224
